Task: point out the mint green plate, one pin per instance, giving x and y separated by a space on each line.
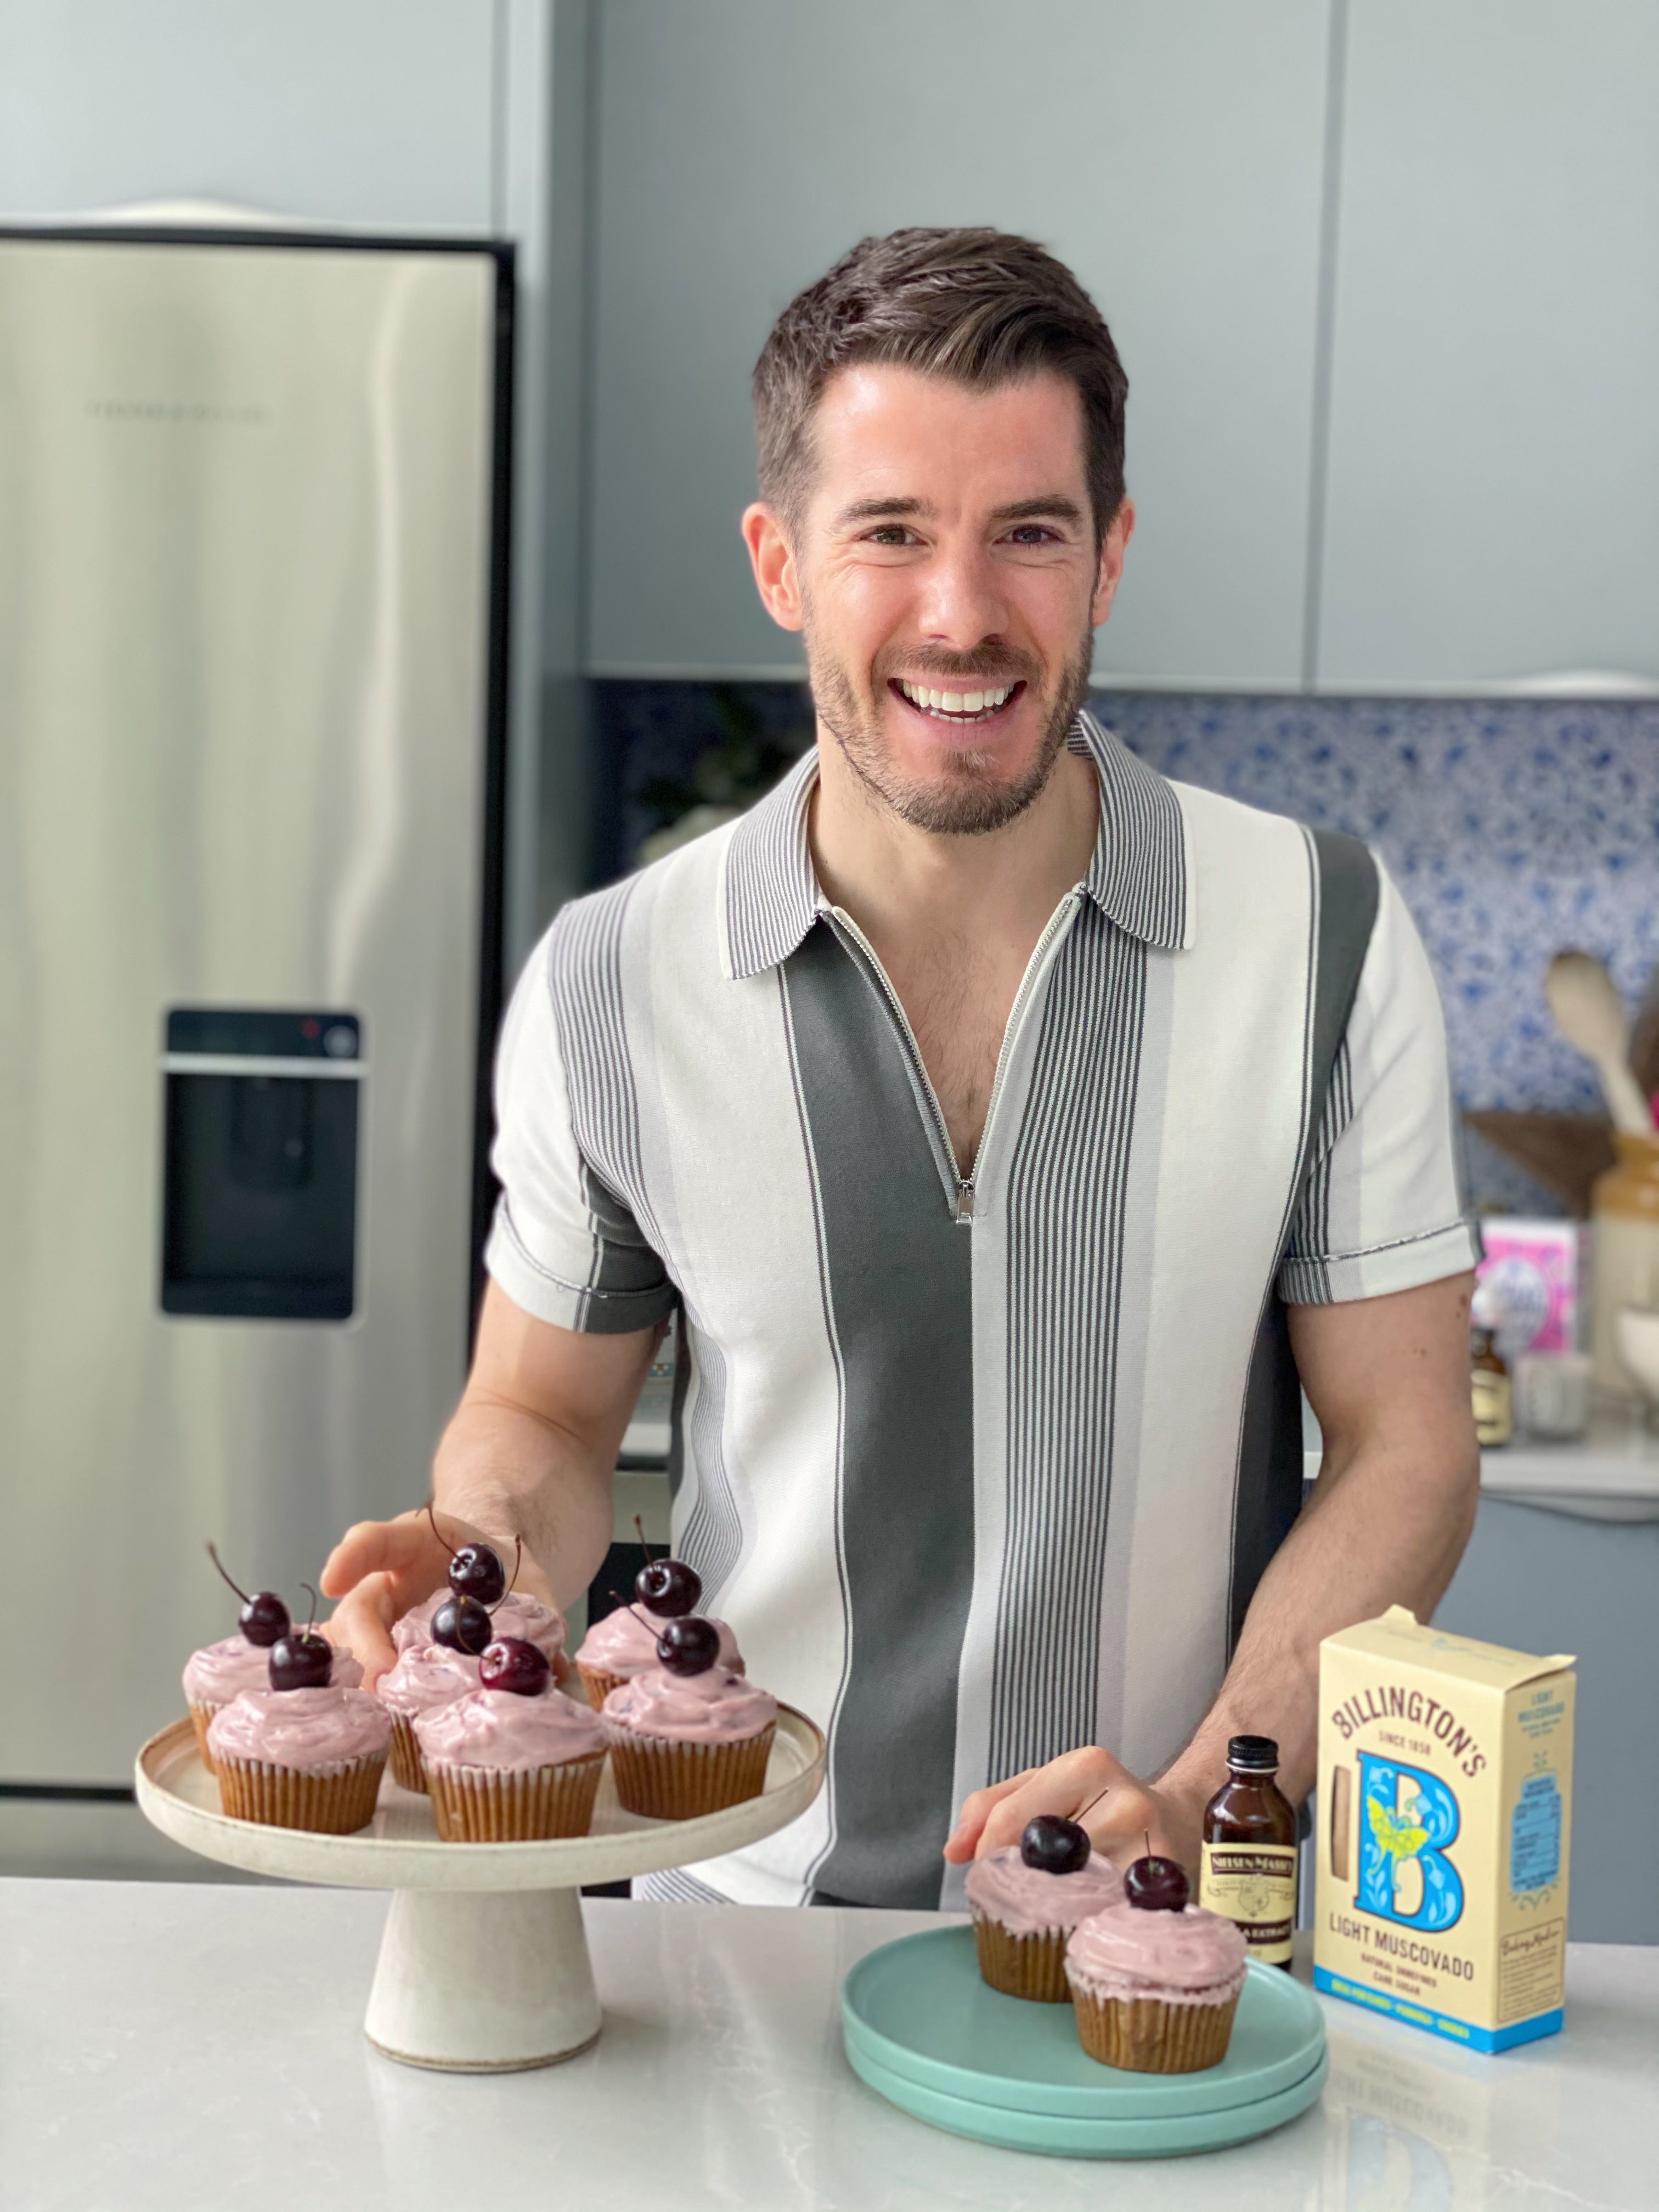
924 2029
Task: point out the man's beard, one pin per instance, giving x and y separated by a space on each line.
968 798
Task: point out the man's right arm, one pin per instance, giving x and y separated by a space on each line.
529 1453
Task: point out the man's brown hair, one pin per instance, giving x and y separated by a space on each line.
980 307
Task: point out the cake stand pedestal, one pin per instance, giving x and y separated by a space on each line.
483 1966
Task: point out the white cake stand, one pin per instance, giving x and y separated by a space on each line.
483 1966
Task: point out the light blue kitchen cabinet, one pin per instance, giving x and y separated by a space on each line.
1491 507
1545 1582
1172 155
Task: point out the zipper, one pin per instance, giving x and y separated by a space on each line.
962 1184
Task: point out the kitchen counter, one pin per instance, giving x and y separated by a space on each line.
198 2048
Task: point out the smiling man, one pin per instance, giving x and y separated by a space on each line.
1004 1131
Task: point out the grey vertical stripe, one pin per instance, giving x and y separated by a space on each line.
898 1275
1345 891
1066 1189
585 973
712 1537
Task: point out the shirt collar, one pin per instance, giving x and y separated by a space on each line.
1141 876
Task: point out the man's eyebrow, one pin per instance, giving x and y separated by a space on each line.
878 510
1054 503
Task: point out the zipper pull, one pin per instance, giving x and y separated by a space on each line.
965 1201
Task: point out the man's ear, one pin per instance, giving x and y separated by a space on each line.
772 560
1121 530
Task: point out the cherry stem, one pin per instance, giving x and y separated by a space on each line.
644 1547
1147 1837
310 1621
1080 1817
518 1561
622 1605
220 1564
436 1531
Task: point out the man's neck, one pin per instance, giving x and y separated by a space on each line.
901 883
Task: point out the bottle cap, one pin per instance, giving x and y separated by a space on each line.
1259 1754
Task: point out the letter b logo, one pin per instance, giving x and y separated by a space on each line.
1408 1819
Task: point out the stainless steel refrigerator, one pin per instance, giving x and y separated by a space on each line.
252 629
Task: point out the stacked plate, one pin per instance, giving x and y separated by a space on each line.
924 2029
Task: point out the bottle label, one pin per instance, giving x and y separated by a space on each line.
1254 1886
1494 1417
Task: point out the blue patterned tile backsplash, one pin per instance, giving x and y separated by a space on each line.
1512 827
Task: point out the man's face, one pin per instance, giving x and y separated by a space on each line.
946 578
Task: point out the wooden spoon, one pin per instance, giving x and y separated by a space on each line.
1590 1014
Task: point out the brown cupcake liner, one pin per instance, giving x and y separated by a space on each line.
678 1781
288 1797
408 1768
1147 2035
598 1684
484 1805
1031 1966
202 1720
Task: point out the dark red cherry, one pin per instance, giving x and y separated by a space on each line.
690 1645
512 1664
668 1588
303 1661
463 1625
264 1618
1055 1845
477 1571
1156 1884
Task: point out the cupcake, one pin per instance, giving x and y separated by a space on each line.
1025 1901
503 1766
307 1757
1155 1980
688 1735
218 1673
424 1677
516 1614
624 1644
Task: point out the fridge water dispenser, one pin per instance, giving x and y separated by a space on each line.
260 1203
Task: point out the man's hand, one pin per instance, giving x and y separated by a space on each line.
378 1571
1120 1811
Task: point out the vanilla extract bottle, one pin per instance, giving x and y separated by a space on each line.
1250 1851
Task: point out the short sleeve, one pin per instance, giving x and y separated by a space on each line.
564 1246
1383 1210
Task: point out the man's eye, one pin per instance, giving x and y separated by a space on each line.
1033 533
888 533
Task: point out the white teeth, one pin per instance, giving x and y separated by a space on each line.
958 703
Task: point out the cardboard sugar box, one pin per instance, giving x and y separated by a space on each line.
1445 1792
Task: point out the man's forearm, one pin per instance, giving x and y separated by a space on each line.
1387 1529
507 1472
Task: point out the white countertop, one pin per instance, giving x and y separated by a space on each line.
198 2048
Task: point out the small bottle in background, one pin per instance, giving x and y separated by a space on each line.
1250 1851
1494 1399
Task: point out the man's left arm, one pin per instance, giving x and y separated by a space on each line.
1389 1378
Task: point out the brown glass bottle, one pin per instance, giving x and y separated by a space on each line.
1489 1379
1249 1853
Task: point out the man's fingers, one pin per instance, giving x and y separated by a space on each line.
976 1808
380 1547
362 1623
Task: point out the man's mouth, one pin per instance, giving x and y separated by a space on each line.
958 707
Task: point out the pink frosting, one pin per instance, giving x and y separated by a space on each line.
1028 1902
425 1675
1190 1957
516 1615
219 1672
500 1730
319 1731
718 1707
625 1642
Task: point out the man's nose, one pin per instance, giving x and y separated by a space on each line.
962 602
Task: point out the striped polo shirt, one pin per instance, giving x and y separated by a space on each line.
978 1469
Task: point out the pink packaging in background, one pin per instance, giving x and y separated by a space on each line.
1532 1285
